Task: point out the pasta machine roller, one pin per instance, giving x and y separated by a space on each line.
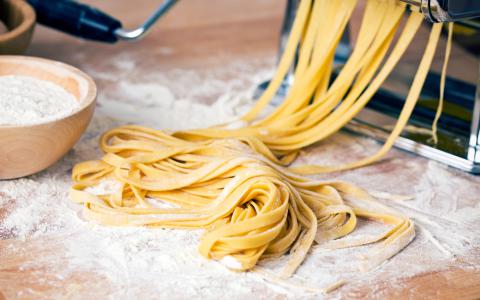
459 126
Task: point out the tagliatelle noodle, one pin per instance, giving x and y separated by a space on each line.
443 79
237 184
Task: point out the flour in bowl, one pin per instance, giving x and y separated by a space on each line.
26 100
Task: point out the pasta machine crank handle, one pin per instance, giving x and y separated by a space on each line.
90 23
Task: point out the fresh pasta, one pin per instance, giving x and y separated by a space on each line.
238 184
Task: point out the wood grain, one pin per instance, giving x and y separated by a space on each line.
25 150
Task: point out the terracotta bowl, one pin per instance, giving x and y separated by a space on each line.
19 18
28 149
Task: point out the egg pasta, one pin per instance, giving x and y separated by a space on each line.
238 184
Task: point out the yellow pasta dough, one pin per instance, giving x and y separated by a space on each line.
443 79
237 184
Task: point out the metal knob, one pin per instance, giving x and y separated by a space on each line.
432 11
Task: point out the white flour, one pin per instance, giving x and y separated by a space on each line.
26 101
45 238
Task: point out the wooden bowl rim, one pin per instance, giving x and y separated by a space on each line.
29 18
85 102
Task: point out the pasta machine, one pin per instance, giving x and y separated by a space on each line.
459 126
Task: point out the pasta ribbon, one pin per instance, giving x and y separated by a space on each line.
237 184
249 206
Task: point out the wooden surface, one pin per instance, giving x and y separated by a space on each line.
26 150
206 34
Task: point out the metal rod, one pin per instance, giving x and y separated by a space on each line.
139 32
474 150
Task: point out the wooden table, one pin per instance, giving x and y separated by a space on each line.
201 34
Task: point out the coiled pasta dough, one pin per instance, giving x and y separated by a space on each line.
237 184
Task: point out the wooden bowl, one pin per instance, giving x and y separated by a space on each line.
28 149
19 18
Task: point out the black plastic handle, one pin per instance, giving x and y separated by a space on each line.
461 9
77 19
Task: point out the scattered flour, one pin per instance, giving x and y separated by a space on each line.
44 237
231 262
106 186
26 100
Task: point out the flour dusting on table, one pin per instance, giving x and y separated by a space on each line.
43 235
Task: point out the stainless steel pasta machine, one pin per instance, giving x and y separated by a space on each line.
459 125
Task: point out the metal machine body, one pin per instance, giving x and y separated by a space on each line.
447 10
459 139
459 144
